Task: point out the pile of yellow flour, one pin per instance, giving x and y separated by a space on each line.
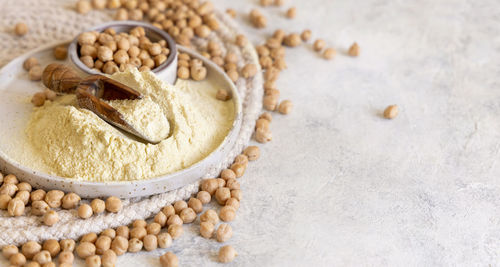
76 143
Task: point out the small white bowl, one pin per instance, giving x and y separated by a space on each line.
167 71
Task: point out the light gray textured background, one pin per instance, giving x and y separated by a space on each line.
339 185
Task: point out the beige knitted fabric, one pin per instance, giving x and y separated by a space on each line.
52 21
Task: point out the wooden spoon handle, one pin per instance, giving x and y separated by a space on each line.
60 78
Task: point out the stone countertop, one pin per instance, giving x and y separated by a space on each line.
341 186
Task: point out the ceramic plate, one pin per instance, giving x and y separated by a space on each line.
16 91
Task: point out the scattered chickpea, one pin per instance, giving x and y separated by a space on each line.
8 189
291 12
102 244
238 169
305 35
210 216
52 246
227 174
113 204
249 70
270 102
35 73
224 232
231 12
150 242
17 259
121 14
99 4
329 53
90 237
318 45
30 248
164 240
4 201
10 179
391 112
9 250
30 63
222 195
198 73
188 215
98 205
15 207
123 231
168 210
21 29
175 231
204 197
93 261
241 40
32 264
66 257
233 202
60 52
153 228
42 257
138 232
23 195
233 75
67 245
209 185
195 204
49 95
266 2
54 198
38 194
119 245
236 194
183 73
50 218
135 245
354 50
279 2
285 107
263 135
83 6
179 206
108 258
84 211
70 201
223 95
292 40
161 218
252 152
227 254
169 259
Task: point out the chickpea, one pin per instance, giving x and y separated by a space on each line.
54 198
90 237
179 206
175 231
35 73
168 210
227 213
30 248
204 197
222 95
249 70
42 257
391 112
233 202
188 215
98 64
279 2
209 185
52 246
121 57
70 201
169 259
252 152
99 4
207 229
108 258
17 259
67 245
104 53
285 107
113 204
154 49
280 64
353 50
183 73
60 52
123 231
305 35
148 62
159 59
224 232
227 254
98 205
233 75
8 189
292 40
93 261
102 244
84 211
153 228
238 169
86 38
15 207
109 232
174 219
198 73
202 31
38 99
50 264
210 216
50 218
32 264
270 102
222 195
9 250
138 232
4 201
21 29
164 240
265 2
160 218
139 224
291 13
134 245
83 6
30 63
318 45
150 242
232 184
266 62
24 196
66 257
134 51
120 244
10 179
263 135
195 204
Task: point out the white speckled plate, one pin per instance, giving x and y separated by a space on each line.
15 107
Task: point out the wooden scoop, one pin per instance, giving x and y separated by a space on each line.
90 93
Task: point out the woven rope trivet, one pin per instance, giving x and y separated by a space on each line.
53 21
